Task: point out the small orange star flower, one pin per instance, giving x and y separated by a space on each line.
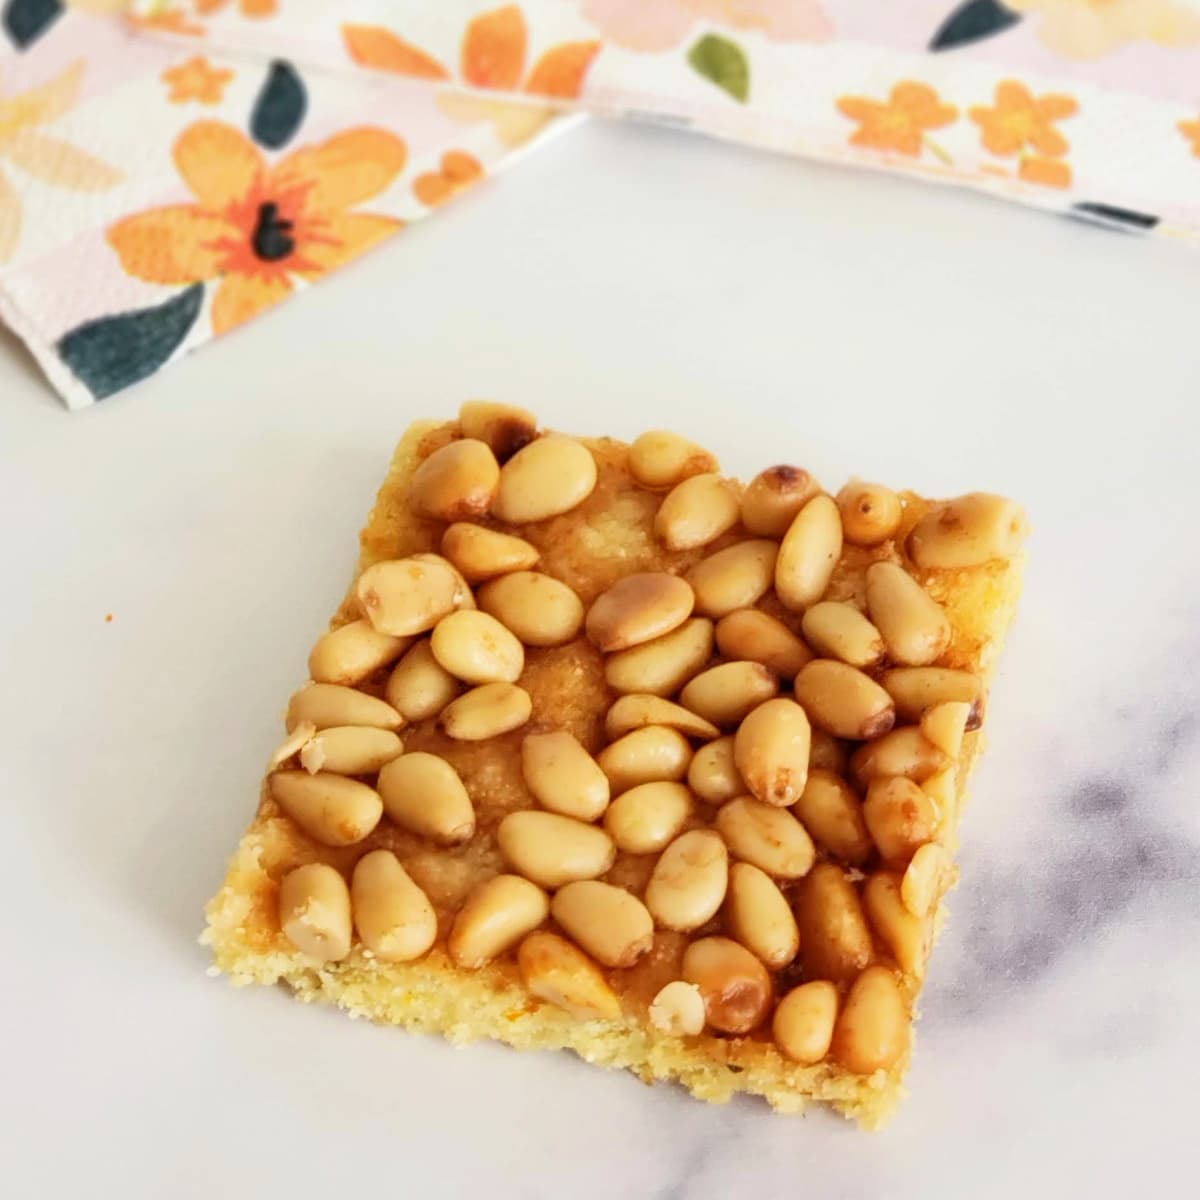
900 122
458 171
1050 172
1020 121
1191 131
196 79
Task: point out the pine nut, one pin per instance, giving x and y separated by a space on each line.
838 630
736 988
870 512
736 577
941 790
496 915
392 914
913 626
353 651
505 428
554 970
759 917
424 794
314 912
351 750
539 609
548 477
476 648
771 749
905 751
834 937
330 808
803 1021
645 756
871 1033
967 532
328 704
916 689
774 497
659 460
904 935
727 693
900 817
419 687
944 726
552 850
486 712
639 709
664 665
696 512
828 754
678 1009
455 482
638 609
480 553
467 599
769 837
646 818
832 814
809 553
407 596
925 879
689 880
757 637
292 744
713 774
563 776
843 701
607 922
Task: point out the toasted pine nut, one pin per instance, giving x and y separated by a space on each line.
539 609
727 693
659 460
467 599
758 637
330 808
736 577
759 917
735 986
713 774
563 776
870 512
353 749
916 689
696 512
504 427
292 744
638 609
496 915
774 497
771 750
839 630
828 754
832 814
905 936
966 532
638 709
900 817
486 712
314 911
803 1021
833 930
351 652
644 756
646 818
678 1009
871 1033
905 751
944 726
554 970
941 790
419 687
392 914
480 553
843 701
474 647
552 850
664 665
809 553
328 704
689 880
548 477
925 878
769 837
423 793
914 627
408 595
609 923
456 482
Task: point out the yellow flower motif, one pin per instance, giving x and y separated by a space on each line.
1090 28
898 123
1191 131
1020 121
459 170
196 79
47 158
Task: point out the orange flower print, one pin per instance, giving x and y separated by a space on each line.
901 122
492 55
1191 131
1020 123
168 20
197 79
458 171
254 226
248 8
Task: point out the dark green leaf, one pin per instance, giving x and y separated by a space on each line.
723 63
280 107
971 22
26 20
1108 214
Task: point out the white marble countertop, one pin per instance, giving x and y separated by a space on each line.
620 278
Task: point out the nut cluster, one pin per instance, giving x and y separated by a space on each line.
780 751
